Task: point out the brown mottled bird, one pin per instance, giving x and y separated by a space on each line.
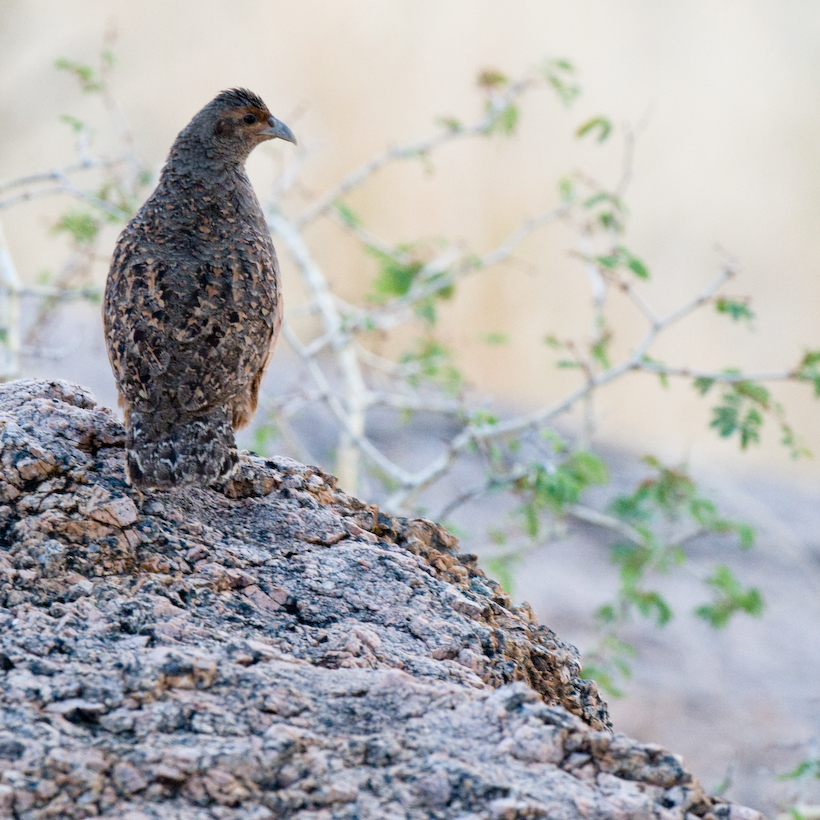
193 302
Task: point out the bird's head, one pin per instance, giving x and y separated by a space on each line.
233 124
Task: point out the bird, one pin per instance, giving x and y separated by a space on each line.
193 301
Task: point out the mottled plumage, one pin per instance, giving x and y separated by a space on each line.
193 303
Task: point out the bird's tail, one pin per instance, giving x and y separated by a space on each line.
168 452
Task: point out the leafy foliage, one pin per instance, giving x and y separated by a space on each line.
743 409
600 124
348 216
608 212
552 487
622 257
664 514
730 598
398 275
431 361
560 75
506 122
89 79
80 225
736 309
809 369
609 664
806 768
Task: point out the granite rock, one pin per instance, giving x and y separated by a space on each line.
275 648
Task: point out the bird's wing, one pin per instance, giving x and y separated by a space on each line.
193 335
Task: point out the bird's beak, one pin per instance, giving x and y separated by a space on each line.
278 130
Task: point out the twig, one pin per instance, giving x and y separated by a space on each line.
497 107
545 415
367 447
58 174
9 313
369 239
586 514
725 377
447 273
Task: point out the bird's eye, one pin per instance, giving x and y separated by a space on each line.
249 118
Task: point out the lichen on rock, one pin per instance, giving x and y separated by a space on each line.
275 648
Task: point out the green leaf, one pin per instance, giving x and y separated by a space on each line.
609 262
809 369
491 78
87 77
566 189
495 338
434 364
505 122
662 377
740 412
348 216
600 350
502 569
637 267
551 488
735 309
82 226
481 417
264 435
450 123
76 125
559 75
394 278
805 767
651 605
730 598
611 660
623 257
703 385
600 124
746 533
596 199
603 678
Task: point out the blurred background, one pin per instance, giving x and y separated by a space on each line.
726 101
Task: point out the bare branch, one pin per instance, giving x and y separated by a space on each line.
9 312
497 106
26 196
369 239
402 401
366 446
442 272
544 416
586 514
721 377
287 179
57 174
505 249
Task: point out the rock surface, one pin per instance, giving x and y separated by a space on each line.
275 649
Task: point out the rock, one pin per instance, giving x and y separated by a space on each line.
275 648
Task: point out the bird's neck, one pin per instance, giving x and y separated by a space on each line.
190 163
